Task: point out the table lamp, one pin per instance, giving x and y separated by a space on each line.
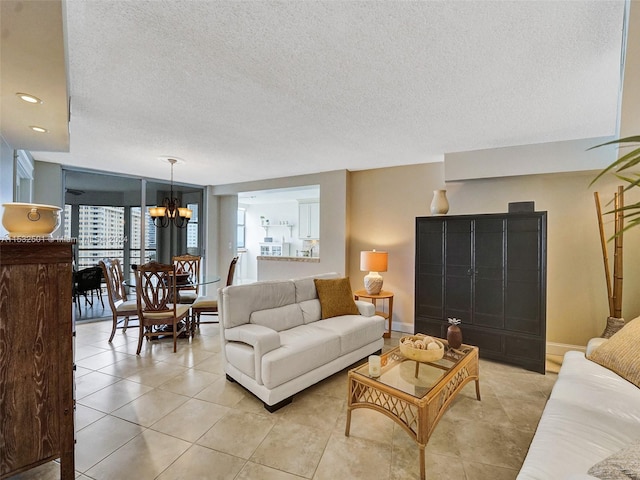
373 262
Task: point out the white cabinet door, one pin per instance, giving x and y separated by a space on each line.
309 221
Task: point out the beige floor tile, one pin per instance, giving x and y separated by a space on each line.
101 438
128 366
486 440
86 351
200 463
212 364
155 375
189 383
223 392
367 424
191 420
253 404
92 382
114 396
489 410
150 407
204 342
524 413
479 471
354 458
238 433
318 411
143 458
482 442
81 372
188 357
86 416
101 360
254 471
293 448
334 386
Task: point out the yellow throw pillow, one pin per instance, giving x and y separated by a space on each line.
335 297
620 353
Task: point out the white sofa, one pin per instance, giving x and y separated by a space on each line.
275 344
592 414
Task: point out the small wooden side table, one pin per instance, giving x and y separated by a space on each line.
383 295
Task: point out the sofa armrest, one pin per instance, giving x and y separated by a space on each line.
366 309
593 344
261 338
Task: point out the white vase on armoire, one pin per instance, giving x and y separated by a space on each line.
439 204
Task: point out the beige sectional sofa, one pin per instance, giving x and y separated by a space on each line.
275 342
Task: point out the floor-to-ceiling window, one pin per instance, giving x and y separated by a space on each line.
103 212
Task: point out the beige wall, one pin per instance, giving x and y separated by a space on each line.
576 291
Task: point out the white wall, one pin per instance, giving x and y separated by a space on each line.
333 217
554 157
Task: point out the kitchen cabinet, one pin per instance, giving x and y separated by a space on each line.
274 249
490 272
309 220
36 355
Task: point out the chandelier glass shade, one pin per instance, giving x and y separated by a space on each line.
170 212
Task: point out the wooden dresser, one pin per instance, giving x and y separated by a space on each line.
36 356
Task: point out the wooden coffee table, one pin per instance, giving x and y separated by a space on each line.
414 395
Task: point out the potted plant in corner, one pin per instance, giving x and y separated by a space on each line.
631 213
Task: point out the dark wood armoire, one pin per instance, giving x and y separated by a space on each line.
36 355
489 271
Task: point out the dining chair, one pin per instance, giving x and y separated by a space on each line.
208 304
188 264
155 291
120 305
87 282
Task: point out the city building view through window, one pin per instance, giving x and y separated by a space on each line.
108 232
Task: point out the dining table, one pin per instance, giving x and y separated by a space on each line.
181 285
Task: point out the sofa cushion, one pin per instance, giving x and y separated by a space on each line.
281 318
311 310
354 331
622 465
240 301
306 288
336 297
620 353
301 350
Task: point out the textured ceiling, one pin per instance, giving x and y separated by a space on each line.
251 90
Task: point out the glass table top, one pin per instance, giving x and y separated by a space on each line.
399 372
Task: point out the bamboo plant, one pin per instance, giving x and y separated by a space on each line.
621 167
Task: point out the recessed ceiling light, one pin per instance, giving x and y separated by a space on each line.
28 98
35 128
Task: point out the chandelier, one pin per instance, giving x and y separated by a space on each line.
170 211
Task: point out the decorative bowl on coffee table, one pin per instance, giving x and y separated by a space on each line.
417 347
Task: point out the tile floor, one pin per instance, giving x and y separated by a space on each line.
165 415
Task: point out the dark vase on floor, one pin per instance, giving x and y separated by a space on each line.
454 336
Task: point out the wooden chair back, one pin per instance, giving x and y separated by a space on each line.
156 292
155 287
112 273
189 264
232 271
